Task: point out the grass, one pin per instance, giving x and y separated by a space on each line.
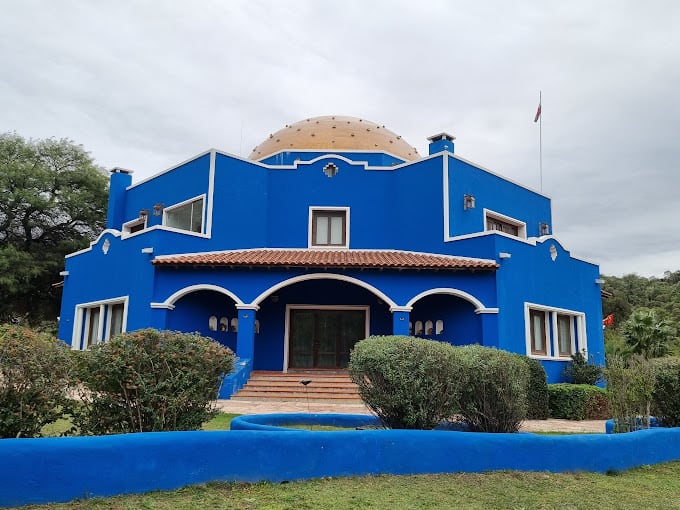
647 487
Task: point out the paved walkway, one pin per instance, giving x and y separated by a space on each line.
262 407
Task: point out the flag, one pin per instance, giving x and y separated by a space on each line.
608 320
538 113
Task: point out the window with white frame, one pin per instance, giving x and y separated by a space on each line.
134 226
185 216
98 322
499 222
328 228
554 333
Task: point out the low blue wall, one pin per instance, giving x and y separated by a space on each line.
237 379
61 469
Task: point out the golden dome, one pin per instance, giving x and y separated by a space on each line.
335 133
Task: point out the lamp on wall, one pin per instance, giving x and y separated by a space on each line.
544 228
468 202
143 214
158 209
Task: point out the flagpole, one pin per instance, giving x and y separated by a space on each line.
540 137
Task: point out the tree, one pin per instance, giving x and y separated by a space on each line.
647 334
52 201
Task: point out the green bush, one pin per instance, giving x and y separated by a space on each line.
537 390
34 381
409 383
666 395
579 371
578 402
494 396
630 384
150 380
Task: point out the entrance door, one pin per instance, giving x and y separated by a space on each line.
323 338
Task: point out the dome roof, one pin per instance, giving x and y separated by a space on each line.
335 133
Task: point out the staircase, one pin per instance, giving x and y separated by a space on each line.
330 387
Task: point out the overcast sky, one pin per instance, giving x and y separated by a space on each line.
144 85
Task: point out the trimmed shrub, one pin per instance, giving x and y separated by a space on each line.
409 383
34 381
494 396
149 381
578 402
579 371
537 390
666 395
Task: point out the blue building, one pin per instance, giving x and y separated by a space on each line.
332 230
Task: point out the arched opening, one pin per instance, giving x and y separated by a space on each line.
199 311
447 317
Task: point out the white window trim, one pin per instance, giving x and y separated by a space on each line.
552 345
82 318
286 333
180 204
125 233
310 243
521 226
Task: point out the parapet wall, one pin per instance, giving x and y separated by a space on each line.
62 469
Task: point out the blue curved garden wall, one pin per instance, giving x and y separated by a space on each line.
61 469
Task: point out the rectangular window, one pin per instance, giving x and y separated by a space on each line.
98 322
501 223
554 333
186 216
538 332
565 334
329 228
133 226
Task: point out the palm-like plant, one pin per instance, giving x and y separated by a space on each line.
647 334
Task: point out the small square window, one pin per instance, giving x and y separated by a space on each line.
329 228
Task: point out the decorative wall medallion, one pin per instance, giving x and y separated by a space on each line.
105 246
553 252
330 170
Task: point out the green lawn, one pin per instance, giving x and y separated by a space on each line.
647 487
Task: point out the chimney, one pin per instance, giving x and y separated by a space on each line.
120 179
441 142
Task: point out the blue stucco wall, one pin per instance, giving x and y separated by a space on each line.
62 469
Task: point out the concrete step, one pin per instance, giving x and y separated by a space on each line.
324 387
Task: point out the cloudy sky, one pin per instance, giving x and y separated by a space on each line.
146 84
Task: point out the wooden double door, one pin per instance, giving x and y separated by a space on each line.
323 338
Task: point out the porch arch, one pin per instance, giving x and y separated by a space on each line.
201 286
324 276
479 306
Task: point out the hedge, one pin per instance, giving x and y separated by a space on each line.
578 402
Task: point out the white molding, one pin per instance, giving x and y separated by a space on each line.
452 292
311 210
323 276
162 306
174 297
286 329
394 309
211 192
174 167
495 174
445 188
248 306
487 310
112 231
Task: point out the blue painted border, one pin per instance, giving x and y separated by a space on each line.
62 469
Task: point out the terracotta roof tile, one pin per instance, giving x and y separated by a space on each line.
382 259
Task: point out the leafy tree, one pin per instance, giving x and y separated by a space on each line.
52 202
647 334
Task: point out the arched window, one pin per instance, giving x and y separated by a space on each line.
428 328
224 324
234 325
439 327
212 323
419 328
